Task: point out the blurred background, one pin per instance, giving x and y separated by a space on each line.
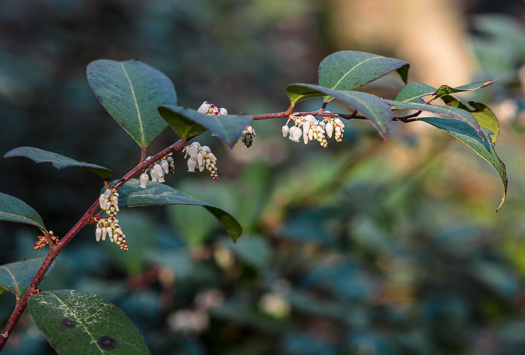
366 247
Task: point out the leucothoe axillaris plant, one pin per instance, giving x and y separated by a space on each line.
143 101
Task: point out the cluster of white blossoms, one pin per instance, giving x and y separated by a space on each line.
109 226
309 128
202 158
210 109
157 170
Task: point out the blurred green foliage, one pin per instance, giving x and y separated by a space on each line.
367 247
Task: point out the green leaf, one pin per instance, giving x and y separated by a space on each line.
188 123
77 322
483 147
484 115
348 70
298 92
452 112
370 106
58 161
15 210
445 90
132 195
16 277
131 92
413 92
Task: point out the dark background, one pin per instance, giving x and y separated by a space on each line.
367 247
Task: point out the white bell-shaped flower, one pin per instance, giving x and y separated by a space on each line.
339 122
165 166
223 111
193 151
159 172
286 130
297 134
329 128
204 108
144 178
192 164
306 126
98 233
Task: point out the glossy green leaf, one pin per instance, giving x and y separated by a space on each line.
482 146
348 70
15 210
77 322
452 112
445 90
58 161
370 106
413 92
187 123
16 277
131 92
132 195
484 115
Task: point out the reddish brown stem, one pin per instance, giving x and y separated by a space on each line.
54 251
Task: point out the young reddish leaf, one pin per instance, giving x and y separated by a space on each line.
131 91
482 146
15 210
58 161
77 322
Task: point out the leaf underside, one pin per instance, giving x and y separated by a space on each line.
483 147
58 161
132 195
188 123
15 210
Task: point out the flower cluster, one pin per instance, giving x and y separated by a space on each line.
157 170
210 109
109 226
202 158
247 136
309 128
42 240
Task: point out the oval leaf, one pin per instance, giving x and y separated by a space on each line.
348 70
131 91
445 90
16 277
132 195
413 92
58 161
15 210
187 123
83 323
452 112
483 147
370 106
484 115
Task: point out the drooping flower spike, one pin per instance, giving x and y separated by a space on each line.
201 157
309 128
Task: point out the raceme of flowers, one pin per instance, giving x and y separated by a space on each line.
202 158
309 128
109 226
157 170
